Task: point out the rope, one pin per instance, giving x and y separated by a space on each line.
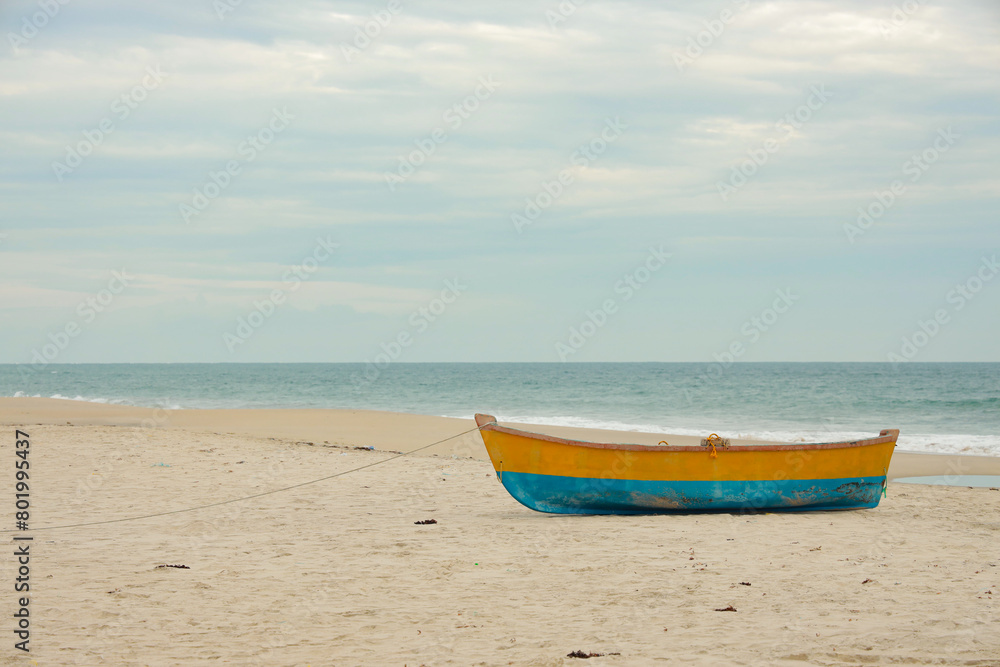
711 441
256 495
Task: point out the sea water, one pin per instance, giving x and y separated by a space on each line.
938 407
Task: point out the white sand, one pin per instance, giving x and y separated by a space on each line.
337 572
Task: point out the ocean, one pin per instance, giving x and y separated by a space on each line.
938 407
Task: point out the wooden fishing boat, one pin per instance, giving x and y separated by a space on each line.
551 474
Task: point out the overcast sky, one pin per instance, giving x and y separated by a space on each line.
469 180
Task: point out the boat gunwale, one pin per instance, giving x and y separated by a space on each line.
489 423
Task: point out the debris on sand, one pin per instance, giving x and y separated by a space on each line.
729 608
425 522
179 567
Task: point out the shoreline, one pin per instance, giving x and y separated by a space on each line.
975 438
393 431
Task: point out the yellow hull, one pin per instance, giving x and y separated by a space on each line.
559 475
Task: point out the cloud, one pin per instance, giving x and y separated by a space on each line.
895 80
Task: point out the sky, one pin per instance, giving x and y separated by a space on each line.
256 181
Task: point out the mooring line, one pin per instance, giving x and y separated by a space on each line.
256 495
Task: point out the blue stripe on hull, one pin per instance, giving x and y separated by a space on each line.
577 495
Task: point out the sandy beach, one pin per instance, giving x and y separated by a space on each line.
339 573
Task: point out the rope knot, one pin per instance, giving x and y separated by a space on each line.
714 441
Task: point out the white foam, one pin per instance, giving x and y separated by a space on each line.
582 422
985 445
957 443
102 401
98 399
